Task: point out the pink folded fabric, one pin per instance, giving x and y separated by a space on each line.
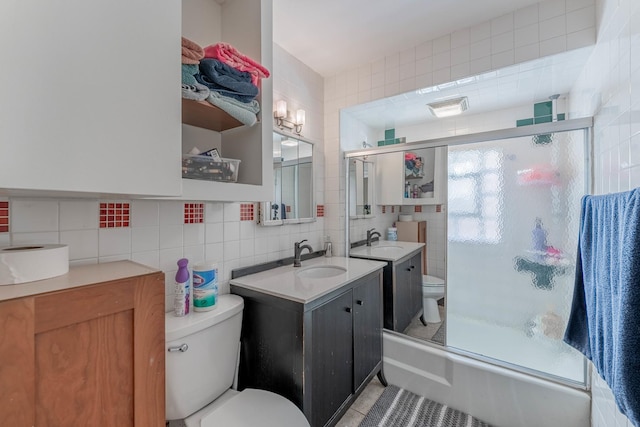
226 53
192 52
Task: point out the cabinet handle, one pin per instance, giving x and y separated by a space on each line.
347 309
181 348
408 268
360 302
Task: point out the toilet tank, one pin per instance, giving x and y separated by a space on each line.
206 369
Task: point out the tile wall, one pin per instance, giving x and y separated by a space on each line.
543 29
609 89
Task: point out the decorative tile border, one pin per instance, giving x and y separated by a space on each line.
193 213
393 209
114 215
438 208
4 217
247 212
384 209
417 209
320 211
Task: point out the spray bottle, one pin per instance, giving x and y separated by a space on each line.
182 289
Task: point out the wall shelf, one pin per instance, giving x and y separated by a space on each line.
205 115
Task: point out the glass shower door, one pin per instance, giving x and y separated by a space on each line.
513 214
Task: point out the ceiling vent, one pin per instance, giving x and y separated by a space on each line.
449 107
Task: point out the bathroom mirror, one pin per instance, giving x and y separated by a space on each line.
361 190
293 193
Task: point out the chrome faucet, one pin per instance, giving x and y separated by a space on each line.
370 234
297 251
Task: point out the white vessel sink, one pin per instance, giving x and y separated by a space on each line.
321 271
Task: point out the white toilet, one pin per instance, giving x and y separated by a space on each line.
201 363
432 291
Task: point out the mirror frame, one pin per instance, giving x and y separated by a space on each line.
371 187
264 216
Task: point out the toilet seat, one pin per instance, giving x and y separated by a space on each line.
431 281
251 408
432 291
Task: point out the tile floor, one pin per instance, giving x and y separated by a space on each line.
355 414
417 330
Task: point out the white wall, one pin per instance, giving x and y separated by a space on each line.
609 89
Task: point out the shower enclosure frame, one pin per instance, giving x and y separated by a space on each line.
585 124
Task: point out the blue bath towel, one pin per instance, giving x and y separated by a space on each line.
605 316
226 80
244 112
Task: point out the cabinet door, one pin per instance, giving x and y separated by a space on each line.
367 329
91 102
332 357
415 267
69 355
403 304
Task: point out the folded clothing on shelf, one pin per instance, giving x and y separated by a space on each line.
226 53
196 92
244 112
192 52
226 80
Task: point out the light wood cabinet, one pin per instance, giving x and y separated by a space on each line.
392 177
89 97
87 356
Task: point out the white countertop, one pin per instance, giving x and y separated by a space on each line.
376 251
283 282
77 276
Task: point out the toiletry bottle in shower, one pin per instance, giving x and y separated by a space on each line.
539 239
406 190
182 292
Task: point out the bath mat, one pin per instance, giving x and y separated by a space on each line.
439 335
401 408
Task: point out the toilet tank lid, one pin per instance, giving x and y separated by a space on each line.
178 327
432 280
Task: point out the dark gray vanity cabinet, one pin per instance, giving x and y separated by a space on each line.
402 292
319 355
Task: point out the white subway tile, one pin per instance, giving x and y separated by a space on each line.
82 243
113 258
407 71
424 66
460 70
551 8
195 254
33 215
442 60
526 35
581 38
145 239
150 258
502 43
377 81
442 75
231 212
502 24
145 213
407 56
247 229
391 75
231 250
460 55
480 49
193 234
480 32
86 261
114 241
460 38
581 19
43 237
5 239
526 53
572 5
392 61
377 66
424 50
78 214
170 236
407 85
247 248
424 80
552 28
441 44
214 252
171 212
169 259
553 46
502 59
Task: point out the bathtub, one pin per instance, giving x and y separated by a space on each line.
496 395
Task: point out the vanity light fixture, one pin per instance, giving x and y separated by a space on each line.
285 119
449 107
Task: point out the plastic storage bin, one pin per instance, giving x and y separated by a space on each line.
209 169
